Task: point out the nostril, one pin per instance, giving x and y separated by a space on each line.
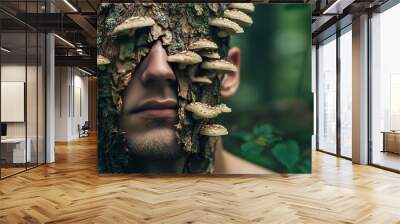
160 71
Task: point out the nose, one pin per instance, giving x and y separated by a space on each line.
157 68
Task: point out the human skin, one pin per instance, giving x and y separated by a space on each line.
150 111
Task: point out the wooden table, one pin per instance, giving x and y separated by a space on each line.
13 150
391 141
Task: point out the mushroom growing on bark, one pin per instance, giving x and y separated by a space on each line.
213 130
210 54
219 65
223 108
239 17
101 60
202 110
245 7
203 44
185 58
133 23
226 26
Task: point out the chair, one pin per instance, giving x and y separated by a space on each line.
84 130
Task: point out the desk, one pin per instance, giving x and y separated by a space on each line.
391 141
13 150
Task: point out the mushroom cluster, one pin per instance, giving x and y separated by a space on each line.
202 110
234 18
205 53
133 23
101 60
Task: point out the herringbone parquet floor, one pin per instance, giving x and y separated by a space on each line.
71 191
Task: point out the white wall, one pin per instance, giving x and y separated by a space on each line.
16 73
61 103
71 93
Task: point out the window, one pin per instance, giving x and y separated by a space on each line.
346 92
22 77
327 95
385 89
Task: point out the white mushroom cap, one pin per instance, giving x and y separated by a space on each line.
132 23
219 65
238 16
185 57
223 108
203 44
210 54
202 110
226 25
101 60
213 130
245 7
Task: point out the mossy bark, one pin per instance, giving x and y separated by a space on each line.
177 25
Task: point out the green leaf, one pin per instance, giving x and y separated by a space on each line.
305 166
262 141
287 153
243 135
251 148
263 130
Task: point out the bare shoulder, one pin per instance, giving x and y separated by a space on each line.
227 163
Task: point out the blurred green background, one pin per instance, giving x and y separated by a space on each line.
272 119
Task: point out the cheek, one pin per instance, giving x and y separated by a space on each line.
132 94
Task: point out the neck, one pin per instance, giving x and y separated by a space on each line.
157 166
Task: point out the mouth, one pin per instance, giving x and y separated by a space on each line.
156 109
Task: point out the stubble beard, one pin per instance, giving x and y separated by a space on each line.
157 141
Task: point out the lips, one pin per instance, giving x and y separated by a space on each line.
156 109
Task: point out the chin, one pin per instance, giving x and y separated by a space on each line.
158 143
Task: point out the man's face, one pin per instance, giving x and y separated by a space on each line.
150 108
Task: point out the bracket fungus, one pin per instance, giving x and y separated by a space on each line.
203 44
101 60
219 65
239 17
185 57
210 54
223 108
213 130
202 110
226 26
133 23
245 7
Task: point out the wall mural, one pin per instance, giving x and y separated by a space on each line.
203 88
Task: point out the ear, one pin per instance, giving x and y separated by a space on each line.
231 81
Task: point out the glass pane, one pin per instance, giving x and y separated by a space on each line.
327 96
31 97
346 94
386 89
41 99
13 86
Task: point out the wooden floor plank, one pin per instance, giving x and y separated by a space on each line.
71 191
